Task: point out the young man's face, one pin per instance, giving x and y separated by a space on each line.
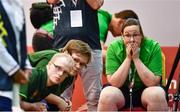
80 61
116 26
58 70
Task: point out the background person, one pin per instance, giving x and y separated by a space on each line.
41 16
113 23
14 65
77 19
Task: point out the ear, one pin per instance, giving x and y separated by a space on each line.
120 21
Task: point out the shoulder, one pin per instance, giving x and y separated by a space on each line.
41 54
117 43
150 43
150 46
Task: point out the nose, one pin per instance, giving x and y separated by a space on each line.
60 72
78 65
132 39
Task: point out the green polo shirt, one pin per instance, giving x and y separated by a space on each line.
150 55
36 89
104 18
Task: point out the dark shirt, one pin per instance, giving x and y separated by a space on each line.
88 32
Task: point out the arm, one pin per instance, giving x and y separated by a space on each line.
38 106
27 106
8 64
11 67
95 4
146 75
56 100
120 75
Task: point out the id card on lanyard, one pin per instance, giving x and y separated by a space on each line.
76 18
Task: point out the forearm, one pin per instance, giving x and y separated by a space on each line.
27 106
7 62
120 76
95 4
56 100
36 106
147 77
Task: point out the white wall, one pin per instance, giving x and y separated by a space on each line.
160 19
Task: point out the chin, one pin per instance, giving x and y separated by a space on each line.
56 82
74 73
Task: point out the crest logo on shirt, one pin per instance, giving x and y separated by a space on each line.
57 10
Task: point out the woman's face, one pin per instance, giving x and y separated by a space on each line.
131 34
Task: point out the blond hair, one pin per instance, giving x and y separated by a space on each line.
68 58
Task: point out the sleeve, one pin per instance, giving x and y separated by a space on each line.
155 64
7 63
24 91
112 62
28 65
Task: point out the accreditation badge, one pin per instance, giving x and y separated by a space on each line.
76 18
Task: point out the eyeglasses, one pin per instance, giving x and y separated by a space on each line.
82 65
59 68
135 35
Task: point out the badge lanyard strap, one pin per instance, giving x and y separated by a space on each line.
131 85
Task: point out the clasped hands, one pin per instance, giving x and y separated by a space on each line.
132 50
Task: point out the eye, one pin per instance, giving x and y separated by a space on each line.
127 35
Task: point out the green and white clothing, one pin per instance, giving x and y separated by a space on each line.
104 18
150 55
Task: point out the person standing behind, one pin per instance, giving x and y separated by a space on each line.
113 23
14 66
77 19
41 16
134 71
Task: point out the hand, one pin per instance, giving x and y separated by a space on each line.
135 51
39 106
20 77
69 106
129 51
65 105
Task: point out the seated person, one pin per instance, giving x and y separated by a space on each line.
44 81
79 51
134 71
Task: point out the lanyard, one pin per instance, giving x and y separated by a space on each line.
131 78
131 85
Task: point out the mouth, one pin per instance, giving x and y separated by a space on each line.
57 79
